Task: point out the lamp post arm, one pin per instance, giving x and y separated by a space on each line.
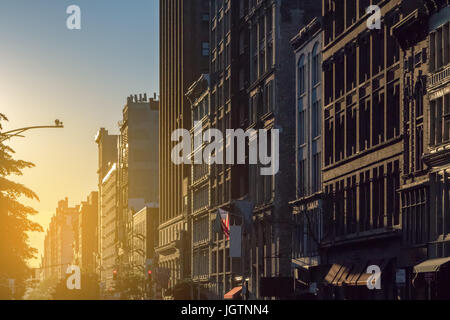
17 132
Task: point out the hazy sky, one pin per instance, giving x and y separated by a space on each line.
81 77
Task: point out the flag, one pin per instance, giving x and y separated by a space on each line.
225 223
222 223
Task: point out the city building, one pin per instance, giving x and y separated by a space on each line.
85 242
271 104
363 142
58 243
199 221
109 226
138 168
144 239
424 38
307 206
184 53
229 77
107 156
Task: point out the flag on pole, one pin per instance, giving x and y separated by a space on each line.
225 223
222 223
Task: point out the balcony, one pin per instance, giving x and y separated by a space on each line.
439 77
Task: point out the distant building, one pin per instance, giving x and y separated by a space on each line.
109 250
58 243
107 156
138 169
85 243
144 240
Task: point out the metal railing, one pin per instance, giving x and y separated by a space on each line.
438 77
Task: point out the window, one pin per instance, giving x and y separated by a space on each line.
351 12
316 65
205 17
440 47
242 43
350 57
393 109
316 172
328 81
302 171
440 120
415 217
351 131
268 95
302 128
205 49
316 119
253 108
301 75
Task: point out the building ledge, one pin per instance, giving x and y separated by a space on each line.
372 235
438 158
303 200
168 249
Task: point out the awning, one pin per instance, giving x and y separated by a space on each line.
342 275
233 294
364 278
433 265
352 279
331 275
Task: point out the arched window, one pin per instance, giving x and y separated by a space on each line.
301 75
316 64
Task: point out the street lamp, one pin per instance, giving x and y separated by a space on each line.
18 132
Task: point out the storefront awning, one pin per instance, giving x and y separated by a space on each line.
233 294
364 277
342 275
331 275
433 265
353 274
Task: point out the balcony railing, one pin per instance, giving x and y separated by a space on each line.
439 77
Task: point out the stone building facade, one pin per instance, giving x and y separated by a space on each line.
271 102
307 206
200 189
363 145
138 167
424 38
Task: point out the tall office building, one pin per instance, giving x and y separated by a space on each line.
184 53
